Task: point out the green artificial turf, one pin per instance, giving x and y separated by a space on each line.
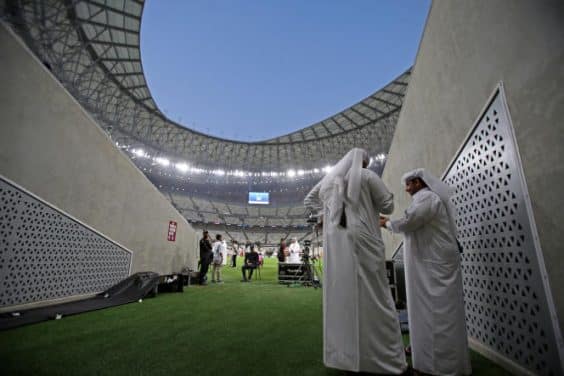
234 328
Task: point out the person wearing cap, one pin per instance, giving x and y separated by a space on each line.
435 300
361 331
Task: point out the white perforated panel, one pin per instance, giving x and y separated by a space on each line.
45 254
507 306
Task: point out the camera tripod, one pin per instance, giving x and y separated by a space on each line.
310 276
311 273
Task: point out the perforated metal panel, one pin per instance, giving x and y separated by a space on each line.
45 254
507 306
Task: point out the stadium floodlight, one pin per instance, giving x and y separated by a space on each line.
139 152
162 161
182 167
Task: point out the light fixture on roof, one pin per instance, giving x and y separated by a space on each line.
139 152
182 167
162 161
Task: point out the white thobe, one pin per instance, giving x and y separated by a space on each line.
294 256
224 252
360 325
435 301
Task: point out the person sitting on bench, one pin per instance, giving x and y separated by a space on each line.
251 263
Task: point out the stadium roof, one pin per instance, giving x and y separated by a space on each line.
93 48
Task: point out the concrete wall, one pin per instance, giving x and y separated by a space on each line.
466 49
52 147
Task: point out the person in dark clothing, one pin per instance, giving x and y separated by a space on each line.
206 256
234 255
251 263
282 250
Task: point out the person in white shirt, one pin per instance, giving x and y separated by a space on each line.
218 251
435 300
294 250
361 331
225 252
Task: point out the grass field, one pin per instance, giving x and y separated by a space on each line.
234 328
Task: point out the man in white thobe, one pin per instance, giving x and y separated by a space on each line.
360 325
435 301
294 249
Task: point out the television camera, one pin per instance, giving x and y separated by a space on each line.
312 219
307 247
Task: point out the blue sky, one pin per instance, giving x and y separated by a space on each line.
255 69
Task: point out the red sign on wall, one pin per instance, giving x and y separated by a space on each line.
171 231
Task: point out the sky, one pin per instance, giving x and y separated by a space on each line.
251 70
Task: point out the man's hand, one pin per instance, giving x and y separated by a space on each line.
383 221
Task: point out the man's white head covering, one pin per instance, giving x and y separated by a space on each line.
443 190
332 188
